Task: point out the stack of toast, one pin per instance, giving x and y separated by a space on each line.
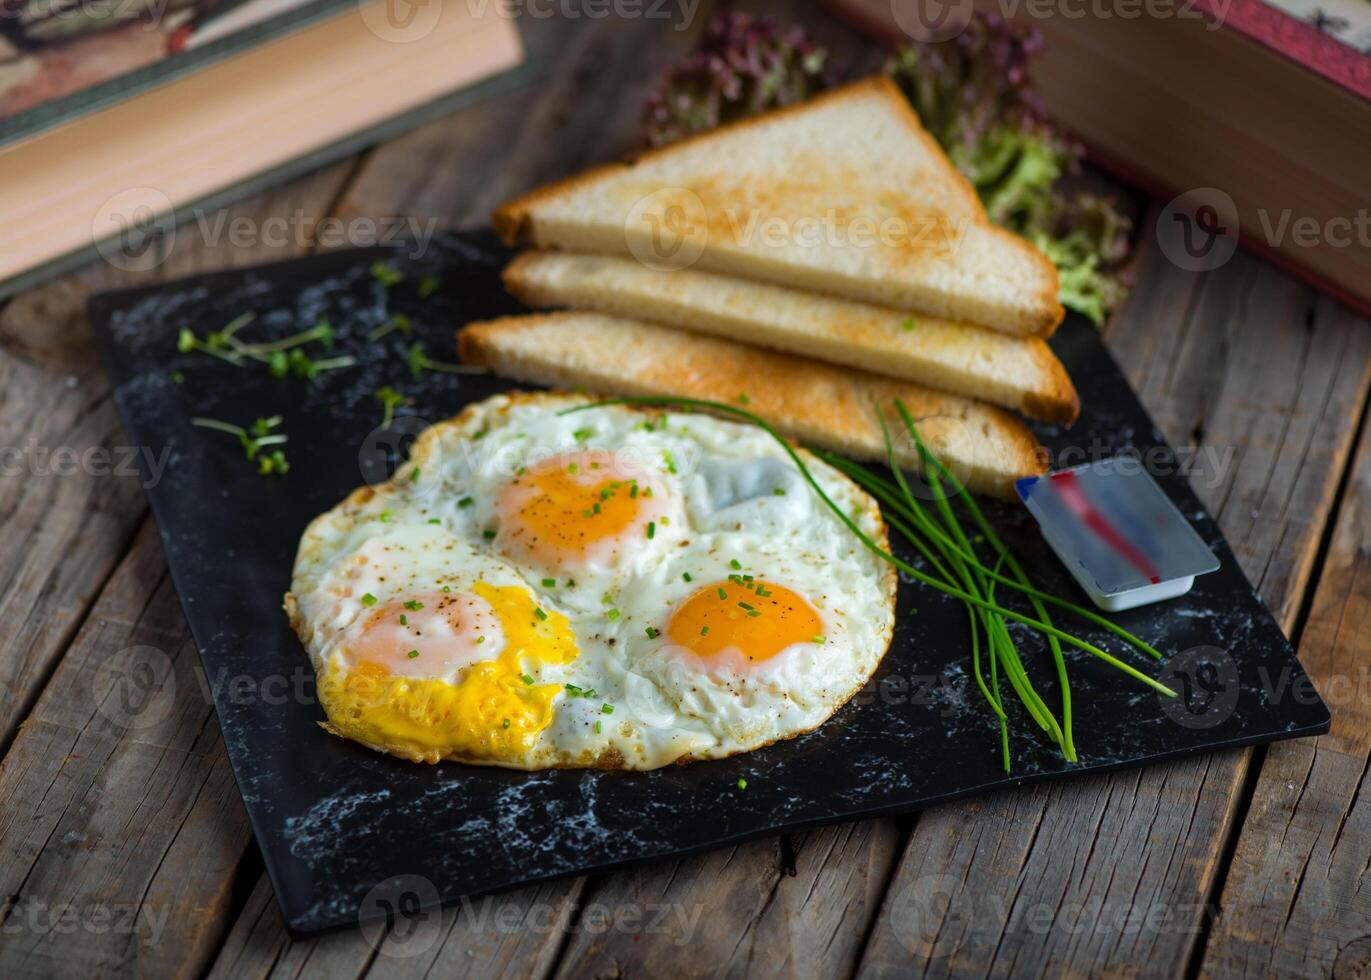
816 263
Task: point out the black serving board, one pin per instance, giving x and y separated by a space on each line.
335 820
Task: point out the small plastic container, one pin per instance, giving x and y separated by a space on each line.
1117 532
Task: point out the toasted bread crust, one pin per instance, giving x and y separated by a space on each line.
513 221
828 406
843 332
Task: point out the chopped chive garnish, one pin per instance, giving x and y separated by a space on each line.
612 614
581 435
778 492
549 583
597 728
669 461
414 604
488 534
404 620
907 325
742 784
735 564
606 709
539 613
685 576
651 529
722 593
368 600
817 638
465 502
386 515
506 722
435 520
480 640
526 679
651 632
704 630
412 654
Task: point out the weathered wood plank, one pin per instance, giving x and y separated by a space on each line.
514 934
1112 874
136 828
121 824
70 489
1297 899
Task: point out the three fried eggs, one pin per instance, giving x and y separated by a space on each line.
608 587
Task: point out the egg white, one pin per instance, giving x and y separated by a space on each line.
635 700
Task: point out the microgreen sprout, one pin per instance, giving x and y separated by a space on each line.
389 399
254 439
387 275
419 362
396 321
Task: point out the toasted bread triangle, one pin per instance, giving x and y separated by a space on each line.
831 407
845 194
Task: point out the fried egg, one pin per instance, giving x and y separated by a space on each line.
607 587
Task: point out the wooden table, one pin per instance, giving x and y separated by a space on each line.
127 850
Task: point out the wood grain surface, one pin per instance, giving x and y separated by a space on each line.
124 848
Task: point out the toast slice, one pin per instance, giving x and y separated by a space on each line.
1013 372
827 406
845 194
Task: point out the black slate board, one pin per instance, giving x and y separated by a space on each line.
336 821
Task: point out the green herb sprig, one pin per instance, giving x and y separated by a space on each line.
254 439
419 362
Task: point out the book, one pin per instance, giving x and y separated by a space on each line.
259 92
1249 119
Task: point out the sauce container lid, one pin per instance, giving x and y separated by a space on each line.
1117 532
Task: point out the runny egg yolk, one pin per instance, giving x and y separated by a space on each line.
493 710
758 622
575 509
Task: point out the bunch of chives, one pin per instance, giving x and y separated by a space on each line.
937 535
